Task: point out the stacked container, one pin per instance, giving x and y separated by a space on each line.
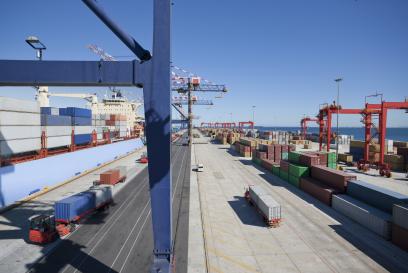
58 129
20 126
81 123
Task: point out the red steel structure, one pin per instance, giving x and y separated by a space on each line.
229 125
241 124
303 124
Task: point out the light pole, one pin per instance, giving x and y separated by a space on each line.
253 113
338 80
35 43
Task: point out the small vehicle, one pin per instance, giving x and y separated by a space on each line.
199 168
144 159
42 229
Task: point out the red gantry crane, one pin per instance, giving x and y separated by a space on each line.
303 124
241 124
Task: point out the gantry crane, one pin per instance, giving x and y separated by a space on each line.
241 124
188 85
381 110
303 124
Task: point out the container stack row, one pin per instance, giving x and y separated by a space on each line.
20 130
382 211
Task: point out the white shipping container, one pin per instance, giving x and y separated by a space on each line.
103 195
255 192
55 111
52 131
19 132
19 118
123 123
269 207
11 104
99 136
18 146
58 141
83 130
122 133
99 129
373 219
122 170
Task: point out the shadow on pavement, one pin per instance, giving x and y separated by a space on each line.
246 212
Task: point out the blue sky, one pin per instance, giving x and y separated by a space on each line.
281 56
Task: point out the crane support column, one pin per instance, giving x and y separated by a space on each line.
383 129
367 137
190 114
328 137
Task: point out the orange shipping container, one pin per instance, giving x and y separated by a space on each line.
110 177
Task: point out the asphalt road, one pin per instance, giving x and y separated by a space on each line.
121 239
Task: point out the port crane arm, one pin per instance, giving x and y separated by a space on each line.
153 73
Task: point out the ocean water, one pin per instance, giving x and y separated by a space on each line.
400 134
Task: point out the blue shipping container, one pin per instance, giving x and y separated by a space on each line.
375 196
71 208
82 139
49 111
51 120
76 112
357 153
81 121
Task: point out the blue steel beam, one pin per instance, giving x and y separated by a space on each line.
70 73
179 121
128 40
157 100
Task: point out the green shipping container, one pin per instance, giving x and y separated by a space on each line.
298 170
275 170
294 180
294 157
332 165
284 156
284 175
331 157
256 161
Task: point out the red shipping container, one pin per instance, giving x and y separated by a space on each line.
399 237
333 178
277 151
309 160
261 155
284 148
284 165
110 177
317 189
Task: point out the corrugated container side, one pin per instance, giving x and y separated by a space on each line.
317 189
19 118
58 141
255 192
49 111
81 121
19 132
399 237
52 131
16 105
103 195
17 146
78 205
269 207
79 130
333 178
373 219
375 196
400 215
82 139
54 120
293 180
76 112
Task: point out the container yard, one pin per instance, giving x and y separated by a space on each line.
256 146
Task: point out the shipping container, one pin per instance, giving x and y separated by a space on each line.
76 112
74 207
399 237
52 131
275 170
103 195
318 190
58 141
255 192
294 180
19 132
122 170
17 105
18 146
54 120
81 121
49 111
110 177
82 139
375 196
283 174
19 118
79 130
294 157
269 208
333 178
298 170
373 219
400 215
